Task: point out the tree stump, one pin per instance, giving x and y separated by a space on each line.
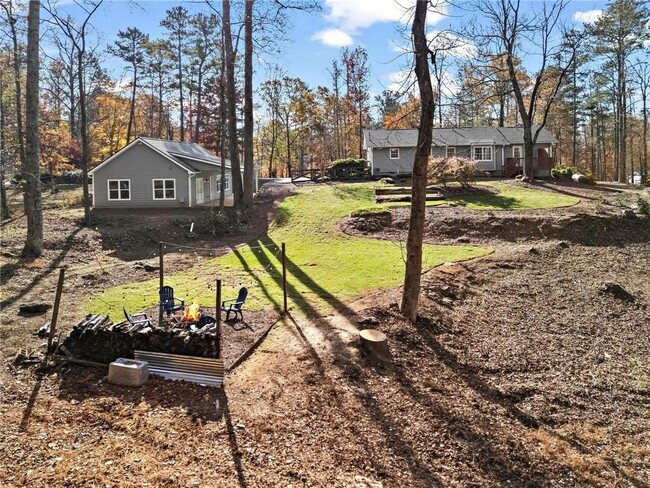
375 345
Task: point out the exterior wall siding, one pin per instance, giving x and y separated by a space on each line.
383 164
141 165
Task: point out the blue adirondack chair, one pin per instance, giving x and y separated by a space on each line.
168 301
236 304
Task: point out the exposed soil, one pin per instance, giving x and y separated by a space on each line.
526 368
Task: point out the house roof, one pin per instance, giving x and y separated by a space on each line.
452 136
188 155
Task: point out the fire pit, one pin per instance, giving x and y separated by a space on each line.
97 339
191 314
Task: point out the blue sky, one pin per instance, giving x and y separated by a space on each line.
314 39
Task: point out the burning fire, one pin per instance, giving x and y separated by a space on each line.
191 313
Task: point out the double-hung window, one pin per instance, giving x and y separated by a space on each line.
394 153
226 185
450 152
119 189
482 153
164 189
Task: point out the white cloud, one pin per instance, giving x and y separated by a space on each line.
333 37
350 16
587 16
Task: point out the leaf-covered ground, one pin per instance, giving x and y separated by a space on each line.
523 370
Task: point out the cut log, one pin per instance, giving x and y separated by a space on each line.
375 345
34 308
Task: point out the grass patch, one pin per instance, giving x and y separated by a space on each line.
508 197
324 266
373 211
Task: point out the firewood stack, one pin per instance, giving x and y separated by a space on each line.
97 339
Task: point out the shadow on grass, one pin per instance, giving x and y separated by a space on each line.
488 201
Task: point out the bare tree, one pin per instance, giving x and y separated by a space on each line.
77 34
31 167
507 29
641 71
4 207
248 103
12 20
411 292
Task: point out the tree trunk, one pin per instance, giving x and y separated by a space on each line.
237 191
4 207
180 89
18 94
83 126
222 116
411 293
248 104
132 108
31 171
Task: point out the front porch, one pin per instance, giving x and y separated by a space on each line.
541 166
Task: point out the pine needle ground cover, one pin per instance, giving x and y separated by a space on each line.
507 197
324 266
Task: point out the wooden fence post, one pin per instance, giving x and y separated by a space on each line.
162 283
284 276
55 312
218 315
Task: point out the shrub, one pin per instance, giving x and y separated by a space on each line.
348 167
223 221
456 168
561 171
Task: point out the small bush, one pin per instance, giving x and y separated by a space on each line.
561 171
347 168
387 181
223 221
456 168
643 206
364 212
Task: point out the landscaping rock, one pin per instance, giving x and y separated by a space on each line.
149 268
34 308
629 214
463 240
617 290
533 250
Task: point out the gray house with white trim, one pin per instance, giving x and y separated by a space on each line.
152 172
498 150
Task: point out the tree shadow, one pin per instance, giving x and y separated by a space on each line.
488 201
55 263
468 376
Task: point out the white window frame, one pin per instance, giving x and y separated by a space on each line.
226 185
164 188
483 148
390 152
453 151
119 190
521 152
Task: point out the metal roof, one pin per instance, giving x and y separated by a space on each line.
455 136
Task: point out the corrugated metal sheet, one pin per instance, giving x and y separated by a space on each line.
205 371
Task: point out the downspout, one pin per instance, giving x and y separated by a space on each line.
93 190
189 189
503 161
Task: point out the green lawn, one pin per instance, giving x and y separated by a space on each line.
325 266
508 197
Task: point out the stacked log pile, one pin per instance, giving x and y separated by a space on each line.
97 339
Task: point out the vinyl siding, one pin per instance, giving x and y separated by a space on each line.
141 165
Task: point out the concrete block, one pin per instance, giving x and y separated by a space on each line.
128 372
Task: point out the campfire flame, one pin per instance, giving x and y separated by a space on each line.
191 313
